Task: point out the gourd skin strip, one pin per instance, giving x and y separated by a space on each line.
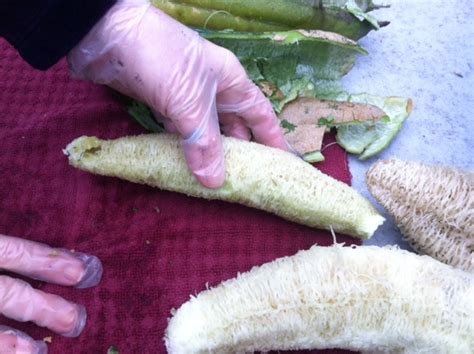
264 15
257 176
289 13
206 18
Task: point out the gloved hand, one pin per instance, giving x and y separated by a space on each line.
19 301
188 81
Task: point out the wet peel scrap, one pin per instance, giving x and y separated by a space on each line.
368 139
305 120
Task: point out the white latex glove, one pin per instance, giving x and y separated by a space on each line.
19 301
192 83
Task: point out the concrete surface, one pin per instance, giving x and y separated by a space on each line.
426 53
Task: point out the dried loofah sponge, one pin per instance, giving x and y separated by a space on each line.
432 205
367 298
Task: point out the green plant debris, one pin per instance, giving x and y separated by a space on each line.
144 116
314 157
287 126
289 64
326 121
368 139
112 350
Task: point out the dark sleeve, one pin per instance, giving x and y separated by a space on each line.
44 31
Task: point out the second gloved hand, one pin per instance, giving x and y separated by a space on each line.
21 302
191 83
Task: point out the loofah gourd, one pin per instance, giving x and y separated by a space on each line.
256 175
432 205
363 298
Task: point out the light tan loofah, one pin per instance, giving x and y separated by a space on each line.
432 205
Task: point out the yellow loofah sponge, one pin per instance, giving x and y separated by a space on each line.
257 176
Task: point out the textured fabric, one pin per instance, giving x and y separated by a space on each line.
43 31
157 247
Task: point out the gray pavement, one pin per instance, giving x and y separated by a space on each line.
426 53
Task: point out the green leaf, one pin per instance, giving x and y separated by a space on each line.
354 138
359 13
297 63
144 116
292 64
290 90
251 66
369 139
112 350
329 55
326 122
289 127
314 157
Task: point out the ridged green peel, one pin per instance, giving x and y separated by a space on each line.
293 63
329 56
257 176
346 17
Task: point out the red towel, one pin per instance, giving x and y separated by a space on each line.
157 247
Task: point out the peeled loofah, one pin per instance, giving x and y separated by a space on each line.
257 176
432 205
362 298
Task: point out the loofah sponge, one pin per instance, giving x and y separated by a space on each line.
362 298
432 205
257 176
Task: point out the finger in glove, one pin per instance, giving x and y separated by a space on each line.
20 302
53 265
13 341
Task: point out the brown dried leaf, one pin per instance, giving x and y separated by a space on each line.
309 115
329 36
306 138
311 111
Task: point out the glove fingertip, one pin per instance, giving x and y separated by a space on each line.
213 181
92 273
204 153
80 323
212 171
40 347
20 342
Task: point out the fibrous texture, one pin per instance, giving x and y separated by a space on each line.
257 176
432 205
361 298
